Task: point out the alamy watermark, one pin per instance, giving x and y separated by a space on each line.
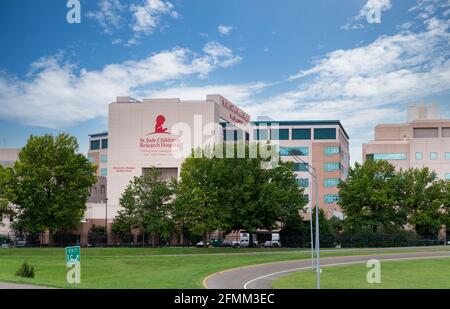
374 273
373 15
74 14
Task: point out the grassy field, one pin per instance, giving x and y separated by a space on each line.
145 267
411 274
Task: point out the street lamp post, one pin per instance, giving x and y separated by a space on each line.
317 233
313 174
311 226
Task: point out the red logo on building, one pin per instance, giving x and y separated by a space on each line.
159 126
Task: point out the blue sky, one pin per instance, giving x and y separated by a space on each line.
318 59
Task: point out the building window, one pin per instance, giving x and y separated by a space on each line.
331 182
331 198
91 159
294 151
329 133
95 145
447 176
105 143
301 134
239 135
387 156
433 155
104 158
104 172
279 134
445 132
329 151
419 155
261 134
303 182
301 167
229 135
426 132
332 166
102 190
447 156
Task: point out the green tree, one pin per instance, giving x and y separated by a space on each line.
337 225
146 204
197 205
234 193
5 207
420 194
127 217
446 204
325 225
155 204
369 199
49 184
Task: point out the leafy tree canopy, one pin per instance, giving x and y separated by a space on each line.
49 184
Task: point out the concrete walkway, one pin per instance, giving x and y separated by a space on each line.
261 276
15 286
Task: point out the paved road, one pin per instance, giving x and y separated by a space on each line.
261 276
9 286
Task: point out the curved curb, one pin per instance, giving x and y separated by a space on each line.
245 284
294 270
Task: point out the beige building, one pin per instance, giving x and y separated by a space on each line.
7 158
421 142
98 152
322 144
152 133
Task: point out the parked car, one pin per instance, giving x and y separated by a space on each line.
272 244
244 241
227 243
200 244
21 244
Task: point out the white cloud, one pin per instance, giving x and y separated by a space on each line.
55 94
147 16
225 30
108 15
371 5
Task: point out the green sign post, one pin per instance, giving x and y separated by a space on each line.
73 254
73 259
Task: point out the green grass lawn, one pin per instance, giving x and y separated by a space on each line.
410 274
145 267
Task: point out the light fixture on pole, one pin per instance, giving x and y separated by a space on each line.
313 174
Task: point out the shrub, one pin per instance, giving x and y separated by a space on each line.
25 271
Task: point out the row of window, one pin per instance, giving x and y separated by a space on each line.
403 156
103 159
328 182
327 198
97 144
304 151
433 156
294 134
430 132
387 156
